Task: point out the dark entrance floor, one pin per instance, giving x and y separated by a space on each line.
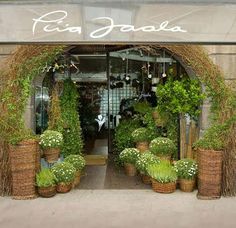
109 177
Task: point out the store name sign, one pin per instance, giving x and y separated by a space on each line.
58 25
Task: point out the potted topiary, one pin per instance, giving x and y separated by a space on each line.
51 141
65 174
129 157
186 170
162 147
46 182
143 162
163 177
209 159
78 163
141 137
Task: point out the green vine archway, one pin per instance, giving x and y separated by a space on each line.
28 61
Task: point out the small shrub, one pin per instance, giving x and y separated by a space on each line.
186 168
163 172
45 178
51 139
129 155
64 172
162 146
77 161
145 160
140 135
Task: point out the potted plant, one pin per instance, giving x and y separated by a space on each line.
129 157
163 177
78 163
209 159
65 174
143 162
51 141
162 147
141 138
186 170
46 182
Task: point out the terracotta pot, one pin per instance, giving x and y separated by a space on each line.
187 185
130 169
47 191
51 154
142 146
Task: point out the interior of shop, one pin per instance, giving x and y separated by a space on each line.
110 81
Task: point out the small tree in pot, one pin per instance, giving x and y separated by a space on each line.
187 171
141 137
129 157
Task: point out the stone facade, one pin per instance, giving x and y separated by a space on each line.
222 55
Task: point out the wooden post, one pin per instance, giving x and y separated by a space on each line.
191 138
182 136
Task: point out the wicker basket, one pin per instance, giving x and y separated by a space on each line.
38 159
51 154
209 174
165 157
130 169
77 179
47 191
64 187
142 146
187 185
146 179
23 167
163 187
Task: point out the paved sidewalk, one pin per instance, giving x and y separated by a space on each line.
118 209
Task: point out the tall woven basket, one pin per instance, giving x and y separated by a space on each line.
23 169
209 174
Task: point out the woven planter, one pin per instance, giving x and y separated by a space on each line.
187 185
77 179
23 169
38 159
51 154
64 187
47 192
163 187
142 146
165 157
146 179
209 174
130 169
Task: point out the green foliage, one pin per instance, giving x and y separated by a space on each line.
123 138
76 160
162 146
129 155
212 138
186 168
64 172
150 124
55 120
142 107
45 178
140 135
51 139
163 172
72 133
12 126
145 160
177 97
